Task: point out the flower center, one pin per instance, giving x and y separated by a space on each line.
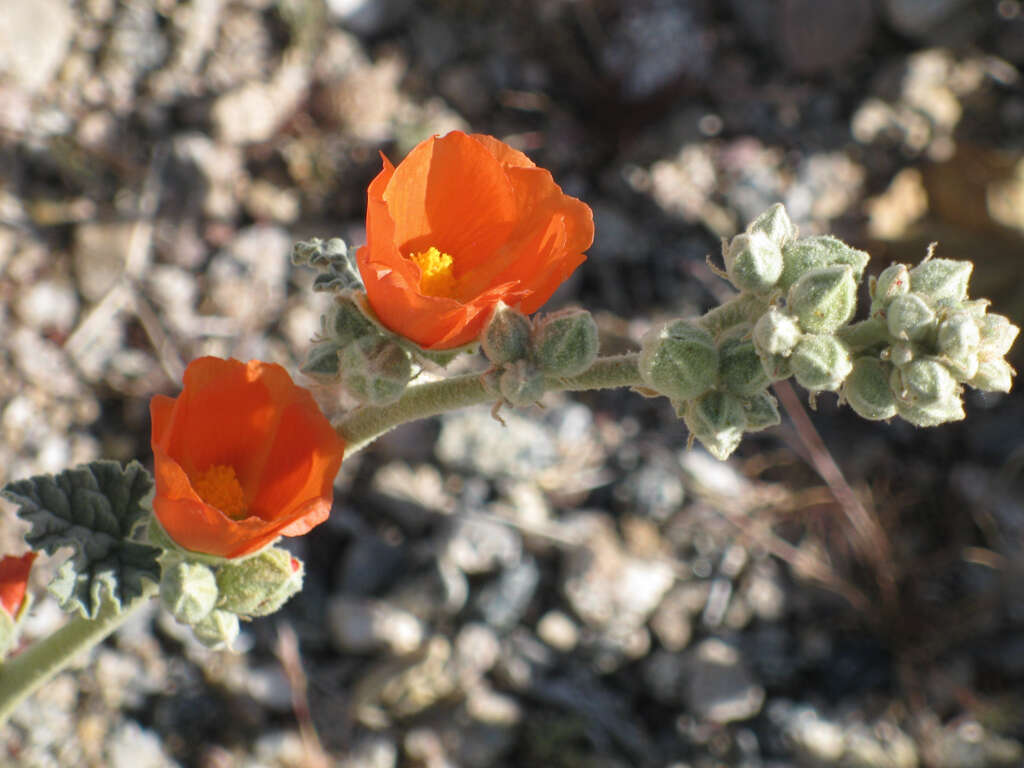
218 486
436 278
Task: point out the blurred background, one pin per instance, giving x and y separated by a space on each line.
575 589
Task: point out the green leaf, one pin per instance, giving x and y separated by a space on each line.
94 509
339 272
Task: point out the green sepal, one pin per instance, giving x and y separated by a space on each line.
940 279
189 591
761 411
819 251
521 384
739 367
753 261
94 509
218 630
993 376
322 362
997 336
910 317
775 223
506 336
867 391
679 359
565 342
932 415
824 298
820 362
776 333
924 382
718 420
893 281
375 369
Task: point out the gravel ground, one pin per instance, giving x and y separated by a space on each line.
574 589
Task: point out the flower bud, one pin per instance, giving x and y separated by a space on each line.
740 368
923 382
679 360
818 251
932 415
507 335
776 333
375 369
899 354
941 279
345 323
909 317
776 367
824 299
993 376
716 419
218 630
775 223
189 591
867 390
892 282
259 585
820 362
761 411
958 342
521 384
997 335
322 362
753 261
565 342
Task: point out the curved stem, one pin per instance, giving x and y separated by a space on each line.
365 424
26 672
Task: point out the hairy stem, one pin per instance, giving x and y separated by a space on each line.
363 425
26 672
743 308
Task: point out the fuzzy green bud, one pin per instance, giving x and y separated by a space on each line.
507 335
923 382
997 336
375 369
718 420
820 362
259 585
753 261
824 299
819 251
776 333
867 390
521 384
932 415
941 279
218 630
565 343
345 323
776 367
993 376
679 359
775 223
958 342
740 369
909 317
899 354
892 282
189 591
761 411
322 362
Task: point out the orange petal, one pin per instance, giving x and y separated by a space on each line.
14 581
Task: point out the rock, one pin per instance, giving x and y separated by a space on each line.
100 250
720 687
360 626
503 602
558 630
130 746
821 35
248 279
255 111
222 168
672 621
49 306
370 562
970 745
369 17
881 746
813 738
406 687
947 22
371 752
471 438
34 38
479 545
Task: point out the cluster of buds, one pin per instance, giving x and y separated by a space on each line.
211 595
523 350
352 349
923 342
924 338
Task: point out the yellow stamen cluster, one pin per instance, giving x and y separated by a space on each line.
436 276
218 486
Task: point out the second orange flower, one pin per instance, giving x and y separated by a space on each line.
462 223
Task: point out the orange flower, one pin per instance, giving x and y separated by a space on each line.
241 456
14 580
463 223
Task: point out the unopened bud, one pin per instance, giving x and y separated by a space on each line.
958 342
909 317
776 333
775 223
565 342
892 282
951 409
997 335
189 591
993 376
753 261
820 362
679 360
941 279
218 630
819 251
375 369
322 362
867 390
345 323
824 299
761 411
740 368
259 585
716 419
507 335
923 382
521 384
